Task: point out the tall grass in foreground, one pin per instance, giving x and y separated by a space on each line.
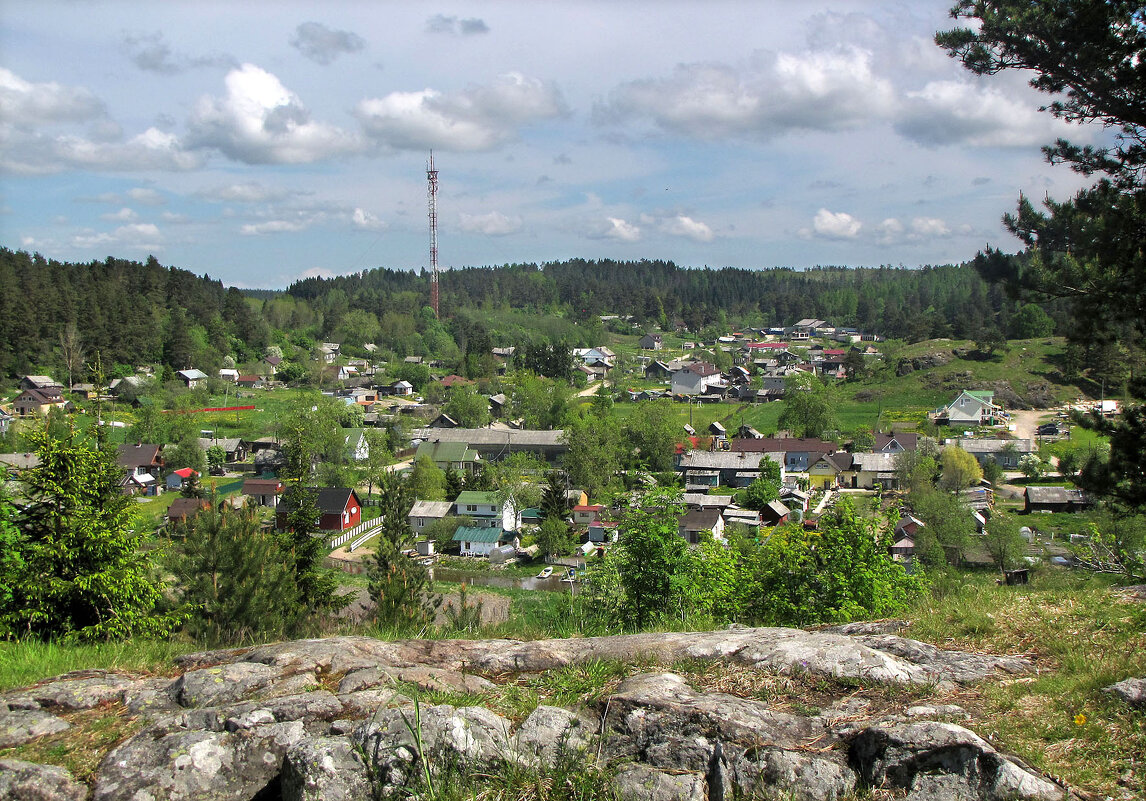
1082 636
28 661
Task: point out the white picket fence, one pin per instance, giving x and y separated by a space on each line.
358 543
351 533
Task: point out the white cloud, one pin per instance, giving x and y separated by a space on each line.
24 104
37 154
248 192
123 215
363 219
137 236
835 225
681 225
961 112
148 197
259 121
493 223
322 44
477 118
775 93
274 227
929 227
615 228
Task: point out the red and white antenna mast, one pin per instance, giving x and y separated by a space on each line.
432 179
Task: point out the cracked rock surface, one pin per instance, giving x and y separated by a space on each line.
335 719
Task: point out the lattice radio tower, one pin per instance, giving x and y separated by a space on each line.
432 180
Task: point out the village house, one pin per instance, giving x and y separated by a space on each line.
5 422
799 452
263 491
651 342
191 377
487 511
584 514
697 521
234 449
483 541
708 469
774 513
657 370
826 471
39 382
338 509
182 509
177 478
970 408
896 442
446 455
1055 499
805 329
497 443
869 470
423 513
697 378
37 402
143 465
355 444
1006 453
229 374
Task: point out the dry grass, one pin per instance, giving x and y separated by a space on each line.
81 748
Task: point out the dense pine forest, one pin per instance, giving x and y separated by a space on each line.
133 312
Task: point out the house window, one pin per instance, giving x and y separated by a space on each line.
471 507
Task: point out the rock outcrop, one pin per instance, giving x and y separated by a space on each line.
336 719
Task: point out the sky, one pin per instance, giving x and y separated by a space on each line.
262 142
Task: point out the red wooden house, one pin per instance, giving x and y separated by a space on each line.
338 509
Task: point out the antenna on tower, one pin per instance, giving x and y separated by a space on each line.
432 179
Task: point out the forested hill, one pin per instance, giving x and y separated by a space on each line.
951 301
136 313
131 312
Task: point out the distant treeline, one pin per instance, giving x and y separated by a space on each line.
141 312
914 304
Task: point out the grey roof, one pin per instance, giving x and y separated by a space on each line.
995 445
703 500
192 374
431 508
487 438
874 462
726 460
1056 495
700 519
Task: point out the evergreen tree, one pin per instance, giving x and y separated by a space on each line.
399 586
553 499
83 574
236 577
302 538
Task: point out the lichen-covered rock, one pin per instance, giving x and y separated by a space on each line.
398 742
958 666
28 781
643 783
84 689
800 776
197 765
551 732
325 769
222 684
19 726
942 760
662 708
424 678
1132 691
